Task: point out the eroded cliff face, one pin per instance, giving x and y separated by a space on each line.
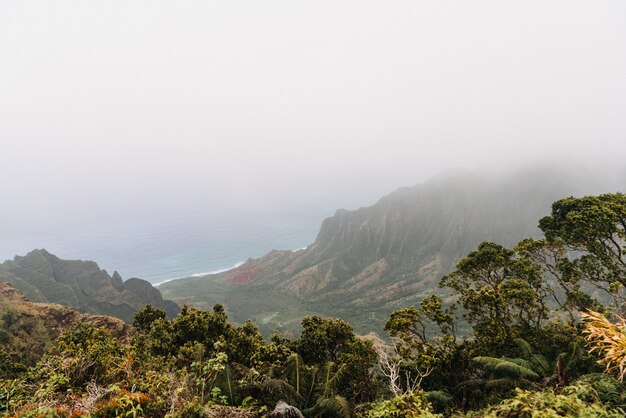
43 277
404 242
366 262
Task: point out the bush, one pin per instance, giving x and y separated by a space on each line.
408 405
579 401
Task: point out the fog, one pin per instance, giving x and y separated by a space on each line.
115 108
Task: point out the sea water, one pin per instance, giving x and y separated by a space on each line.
160 247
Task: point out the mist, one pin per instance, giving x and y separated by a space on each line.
113 110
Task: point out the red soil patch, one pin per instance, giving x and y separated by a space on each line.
245 273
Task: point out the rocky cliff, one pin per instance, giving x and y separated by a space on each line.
366 262
43 277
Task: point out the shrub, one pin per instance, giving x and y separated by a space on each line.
408 405
580 401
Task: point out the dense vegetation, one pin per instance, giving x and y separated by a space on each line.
526 334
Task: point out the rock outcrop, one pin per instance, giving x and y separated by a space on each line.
43 277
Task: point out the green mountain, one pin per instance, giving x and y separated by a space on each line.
43 277
367 262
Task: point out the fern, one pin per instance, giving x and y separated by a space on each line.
336 407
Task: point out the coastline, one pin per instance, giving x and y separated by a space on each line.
208 273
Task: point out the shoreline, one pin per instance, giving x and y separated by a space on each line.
208 273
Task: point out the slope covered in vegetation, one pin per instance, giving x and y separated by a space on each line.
43 277
528 353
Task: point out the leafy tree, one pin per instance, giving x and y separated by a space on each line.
145 317
594 227
244 342
324 339
424 338
198 325
563 285
87 353
502 295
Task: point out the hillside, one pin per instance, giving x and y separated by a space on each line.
366 262
28 328
43 277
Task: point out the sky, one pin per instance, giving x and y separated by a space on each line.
115 107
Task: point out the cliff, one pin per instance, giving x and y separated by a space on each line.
367 262
43 277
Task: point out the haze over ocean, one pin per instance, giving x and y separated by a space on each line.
159 247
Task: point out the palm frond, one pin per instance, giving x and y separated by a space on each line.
519 361
540 364
488 362
279 389
439 397
501 383
332 376
515 371
336 406
524 347
473 383
227 384
295 370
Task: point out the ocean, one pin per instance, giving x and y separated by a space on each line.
161 246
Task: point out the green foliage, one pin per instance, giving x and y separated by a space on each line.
422 349
330 340
87 354
607 389
13 392
9 367
578 401
408 405
23 336
144 318
502 295
564 286
330 407
323 339
594 227
519 361
121 403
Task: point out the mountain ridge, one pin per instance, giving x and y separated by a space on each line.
368 261
44 277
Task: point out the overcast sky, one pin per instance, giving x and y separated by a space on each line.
126 104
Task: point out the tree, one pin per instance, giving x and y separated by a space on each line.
502 294
325 340
421 348
197 325
594 229
563 284
145 317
